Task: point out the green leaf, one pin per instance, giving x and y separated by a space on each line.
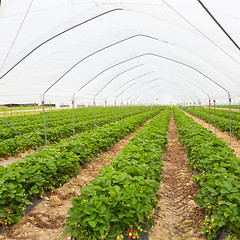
97 204
92 223
103 209
87 210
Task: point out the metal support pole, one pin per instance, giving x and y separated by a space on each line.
73 117
121 110
94 113
34 110
45 128
209 105
199 104
195 110
214 102
230 121
21 135
11 111
115 112
106 111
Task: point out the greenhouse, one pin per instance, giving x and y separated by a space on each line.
120 119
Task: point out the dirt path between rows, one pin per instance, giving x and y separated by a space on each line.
12 159
47 220
177 217
227 109
235 144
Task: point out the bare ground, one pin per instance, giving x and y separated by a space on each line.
177 217
47 220
235 144
13 159
227 109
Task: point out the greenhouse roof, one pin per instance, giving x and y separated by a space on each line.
164 51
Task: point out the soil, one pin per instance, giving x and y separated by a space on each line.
235 144
176 216
47 220
12 159
227 109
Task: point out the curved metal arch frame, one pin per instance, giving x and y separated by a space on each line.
160 79
118 42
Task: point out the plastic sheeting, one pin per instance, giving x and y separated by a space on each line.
141 51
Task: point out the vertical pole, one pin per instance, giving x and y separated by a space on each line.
44 118
199 104
115 112
94 113
20 110
11 112
230 121
73 117
62 109
34 110
209 105
121 110
131 109
106 110
195 106
214 102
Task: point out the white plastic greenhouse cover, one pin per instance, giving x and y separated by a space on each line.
164 51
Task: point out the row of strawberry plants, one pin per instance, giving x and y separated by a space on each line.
226 106
28 123
221 119
223 113
22 181
16 144
219 176
121 199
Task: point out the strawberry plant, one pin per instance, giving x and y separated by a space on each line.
26 179
120 201
58 128
219 179
221 119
